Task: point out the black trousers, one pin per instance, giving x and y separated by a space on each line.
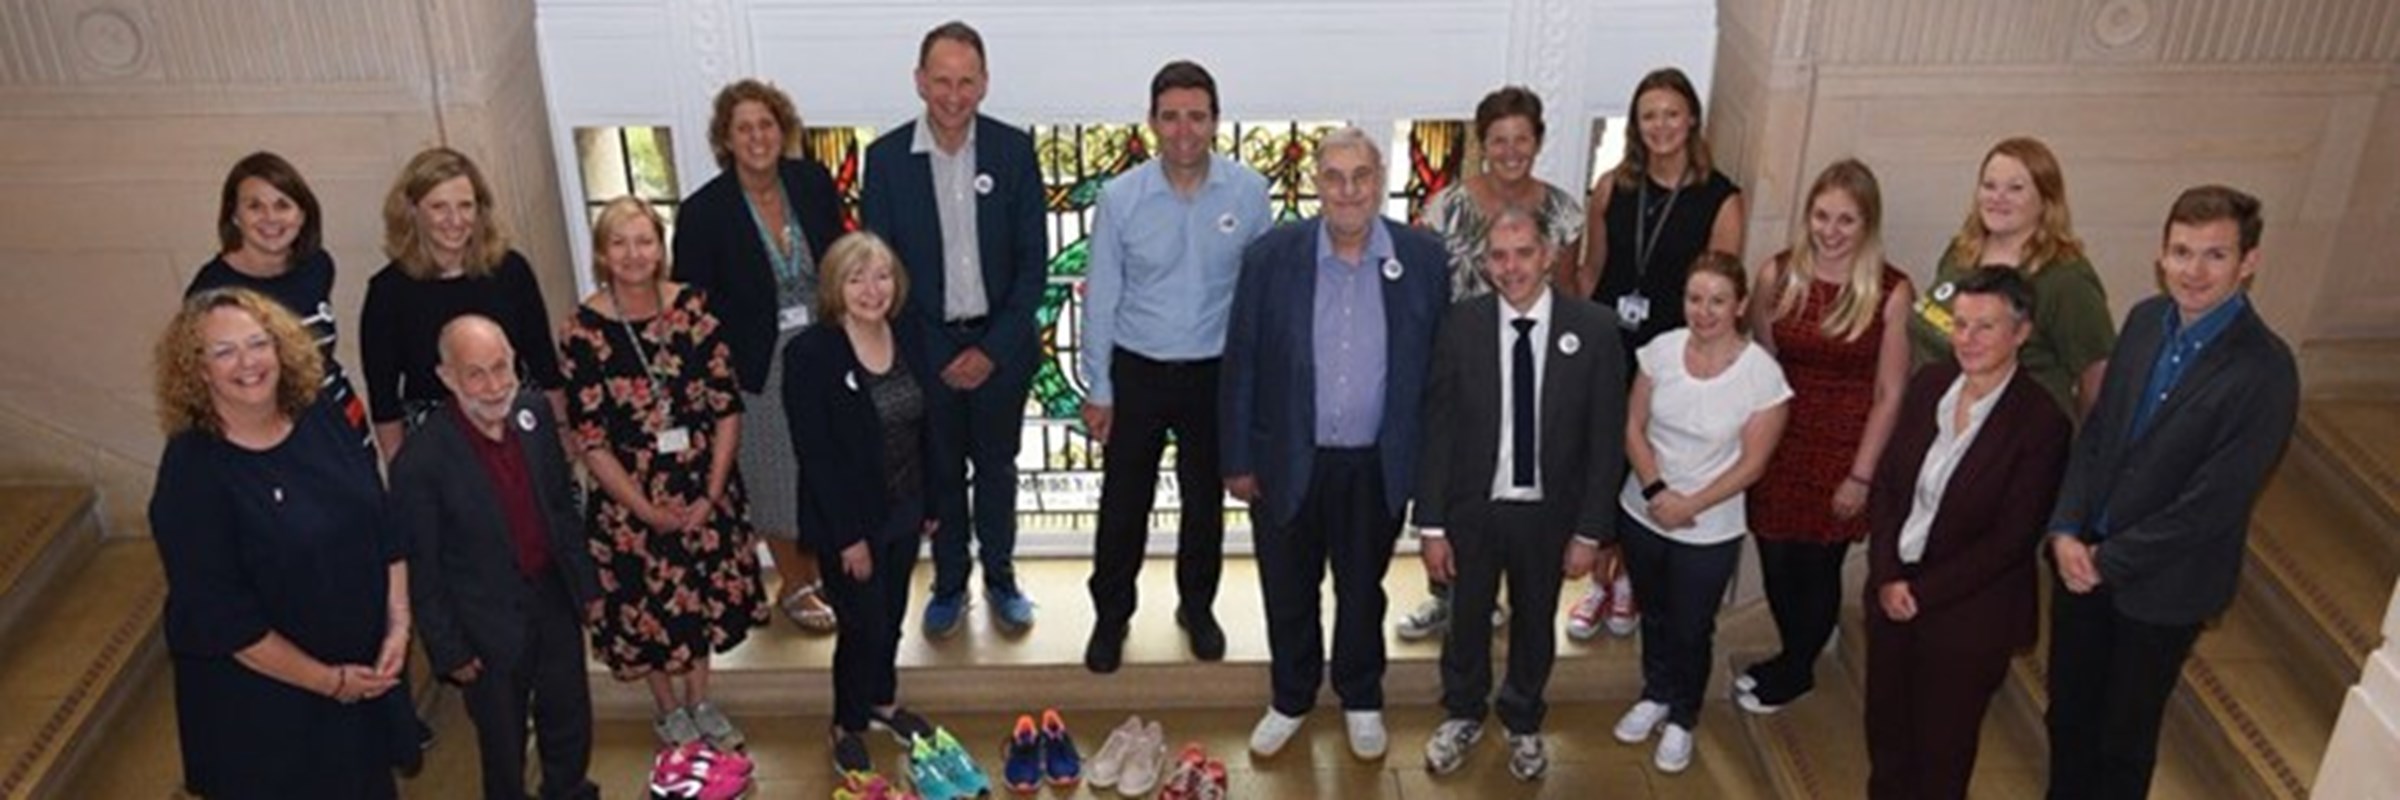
2110 677
1681 586
1804 592
866 648
1345 522
1155 398
546 682
1925 707
1506 544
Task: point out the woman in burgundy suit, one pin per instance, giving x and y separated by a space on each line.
1958 506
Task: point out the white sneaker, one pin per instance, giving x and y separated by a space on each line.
1106 765
1640 720
1145 755
1273 732
1583 621
1447 748
1674 750
1429 620
1367 738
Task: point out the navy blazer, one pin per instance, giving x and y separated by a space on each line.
2178 499
717 248
838 438
897 203
1975 581
1581 421
463 584
1267 390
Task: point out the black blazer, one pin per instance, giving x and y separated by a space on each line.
838 438
2178 499
1014 246
1266 389
1975 583
1581 420
463 585
717 248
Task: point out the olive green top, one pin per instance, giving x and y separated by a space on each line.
2071 324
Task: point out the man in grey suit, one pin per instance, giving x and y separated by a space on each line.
1524 443
500 580
2148 532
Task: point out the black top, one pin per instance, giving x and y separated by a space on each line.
900 408
829 399
717 248
401 326
292 540
306 290
1682 221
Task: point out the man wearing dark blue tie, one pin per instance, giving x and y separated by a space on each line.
1319 405
959 196
1524 443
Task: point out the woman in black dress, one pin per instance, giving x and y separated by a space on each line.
858 423
752 238
287 609
449 257
272 237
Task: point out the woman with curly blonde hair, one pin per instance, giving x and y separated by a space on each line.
449 258
287 612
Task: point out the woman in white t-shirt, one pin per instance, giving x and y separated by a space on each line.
1707 408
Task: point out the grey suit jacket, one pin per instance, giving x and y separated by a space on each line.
1581 419
2177 500
464 589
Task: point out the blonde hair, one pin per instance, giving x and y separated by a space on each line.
852 252
617 211
179 363
1861 300
2053 237
404 241
751 90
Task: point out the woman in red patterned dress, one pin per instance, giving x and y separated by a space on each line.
1834 313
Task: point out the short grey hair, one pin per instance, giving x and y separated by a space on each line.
1350 136
1512 215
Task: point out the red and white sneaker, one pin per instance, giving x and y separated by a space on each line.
1623 616
1583 620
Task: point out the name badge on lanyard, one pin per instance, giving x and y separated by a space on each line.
793 318
673 441
1632 310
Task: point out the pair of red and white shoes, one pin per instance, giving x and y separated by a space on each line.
695 771
1196 776
1608 606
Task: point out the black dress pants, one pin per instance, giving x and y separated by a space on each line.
1681 586
1505 543
1804 592
2110 677
546 681
1345 522
1154 399
866 648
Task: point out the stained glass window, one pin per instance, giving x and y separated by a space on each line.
618 161
1432 155
843 152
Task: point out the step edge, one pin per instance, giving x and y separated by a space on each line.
36 766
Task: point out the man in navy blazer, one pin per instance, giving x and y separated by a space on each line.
2199 400
500 579
1326 358
959 196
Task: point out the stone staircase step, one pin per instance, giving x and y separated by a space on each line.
2315 570
45 532
85 646
2351 368
2242 697
2352 448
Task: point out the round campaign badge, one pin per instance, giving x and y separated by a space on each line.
1226 224
1391 269
525 419
1943 292
1569 343
983 183
850 379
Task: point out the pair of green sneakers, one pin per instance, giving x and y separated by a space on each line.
941 769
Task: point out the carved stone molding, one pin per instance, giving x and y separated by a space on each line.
1948 32
70 43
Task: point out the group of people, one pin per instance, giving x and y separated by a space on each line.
1548 387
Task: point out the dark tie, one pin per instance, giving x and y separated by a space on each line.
1520 404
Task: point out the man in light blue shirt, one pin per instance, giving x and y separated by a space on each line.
1166 249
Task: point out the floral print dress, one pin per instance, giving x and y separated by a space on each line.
668 597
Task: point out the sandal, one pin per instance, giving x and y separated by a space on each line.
807 609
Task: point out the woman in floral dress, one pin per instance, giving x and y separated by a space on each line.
651 393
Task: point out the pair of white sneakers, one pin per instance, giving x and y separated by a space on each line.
1131 759
1368 739
1674 753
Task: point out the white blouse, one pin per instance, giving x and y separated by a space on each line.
1695 429
1941 461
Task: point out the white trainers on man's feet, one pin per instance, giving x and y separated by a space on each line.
1367 738
1273 732
1674 750
1640 720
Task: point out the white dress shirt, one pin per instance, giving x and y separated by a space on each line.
955 187
1950 444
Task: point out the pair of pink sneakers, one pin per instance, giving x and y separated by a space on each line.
696 771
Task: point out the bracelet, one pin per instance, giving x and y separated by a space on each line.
341 680
1655 487
1860 481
